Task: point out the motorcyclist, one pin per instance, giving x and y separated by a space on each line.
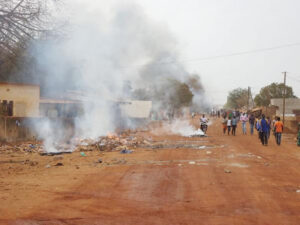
203 123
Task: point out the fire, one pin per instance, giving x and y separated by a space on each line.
111 135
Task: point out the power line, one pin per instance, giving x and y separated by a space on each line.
245 52
222 56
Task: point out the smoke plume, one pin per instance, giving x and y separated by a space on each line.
107 56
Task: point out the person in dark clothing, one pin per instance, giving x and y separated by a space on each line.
264 129
252 122
233 125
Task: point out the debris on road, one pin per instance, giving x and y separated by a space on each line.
125 151
227 171
82 154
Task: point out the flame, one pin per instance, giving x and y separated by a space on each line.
111 135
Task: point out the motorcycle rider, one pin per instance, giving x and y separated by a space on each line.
203 123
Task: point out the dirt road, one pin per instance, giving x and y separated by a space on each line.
217 180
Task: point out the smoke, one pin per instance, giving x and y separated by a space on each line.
179 127
101 51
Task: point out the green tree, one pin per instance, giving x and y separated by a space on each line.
237 98
274 90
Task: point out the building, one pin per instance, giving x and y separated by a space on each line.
136 109
291 104
19 100
292 109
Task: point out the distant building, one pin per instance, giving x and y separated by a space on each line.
291 104
292 111
136 109
19 100
63 108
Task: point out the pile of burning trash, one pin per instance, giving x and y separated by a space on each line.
126 141
31 147
110 142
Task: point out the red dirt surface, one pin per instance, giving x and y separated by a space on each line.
237 181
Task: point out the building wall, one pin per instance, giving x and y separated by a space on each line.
137 109
17 129
25 98
290 105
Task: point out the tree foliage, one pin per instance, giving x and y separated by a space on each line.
21 21
172 94
194 83
274 90
237 98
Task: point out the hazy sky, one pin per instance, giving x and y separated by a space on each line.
205 28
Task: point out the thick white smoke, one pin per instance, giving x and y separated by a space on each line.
100 51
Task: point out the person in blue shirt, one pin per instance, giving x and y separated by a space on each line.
265 130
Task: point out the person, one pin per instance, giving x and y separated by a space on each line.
203 123
258 128
278 130
244 119
251 122
233 124
224 123
230 115
229 125
264 130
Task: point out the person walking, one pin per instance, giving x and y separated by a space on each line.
264 130
234 125
229 125
224 124
278 130
258 128
252 122
244 119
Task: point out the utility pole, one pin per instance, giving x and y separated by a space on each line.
248 99
284 90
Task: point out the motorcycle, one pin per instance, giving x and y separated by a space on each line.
204 127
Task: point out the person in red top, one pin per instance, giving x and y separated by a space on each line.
278 127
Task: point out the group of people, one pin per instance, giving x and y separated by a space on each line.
263 125
230 123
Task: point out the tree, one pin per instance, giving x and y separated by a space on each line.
237 98
194 82
21 22
274 90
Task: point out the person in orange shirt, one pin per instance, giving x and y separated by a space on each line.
278 126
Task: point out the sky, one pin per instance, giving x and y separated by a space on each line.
208 28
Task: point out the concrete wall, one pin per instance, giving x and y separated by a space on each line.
16 129
22 129
137 109
25 98
290 105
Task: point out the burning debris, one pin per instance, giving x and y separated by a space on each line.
124 143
